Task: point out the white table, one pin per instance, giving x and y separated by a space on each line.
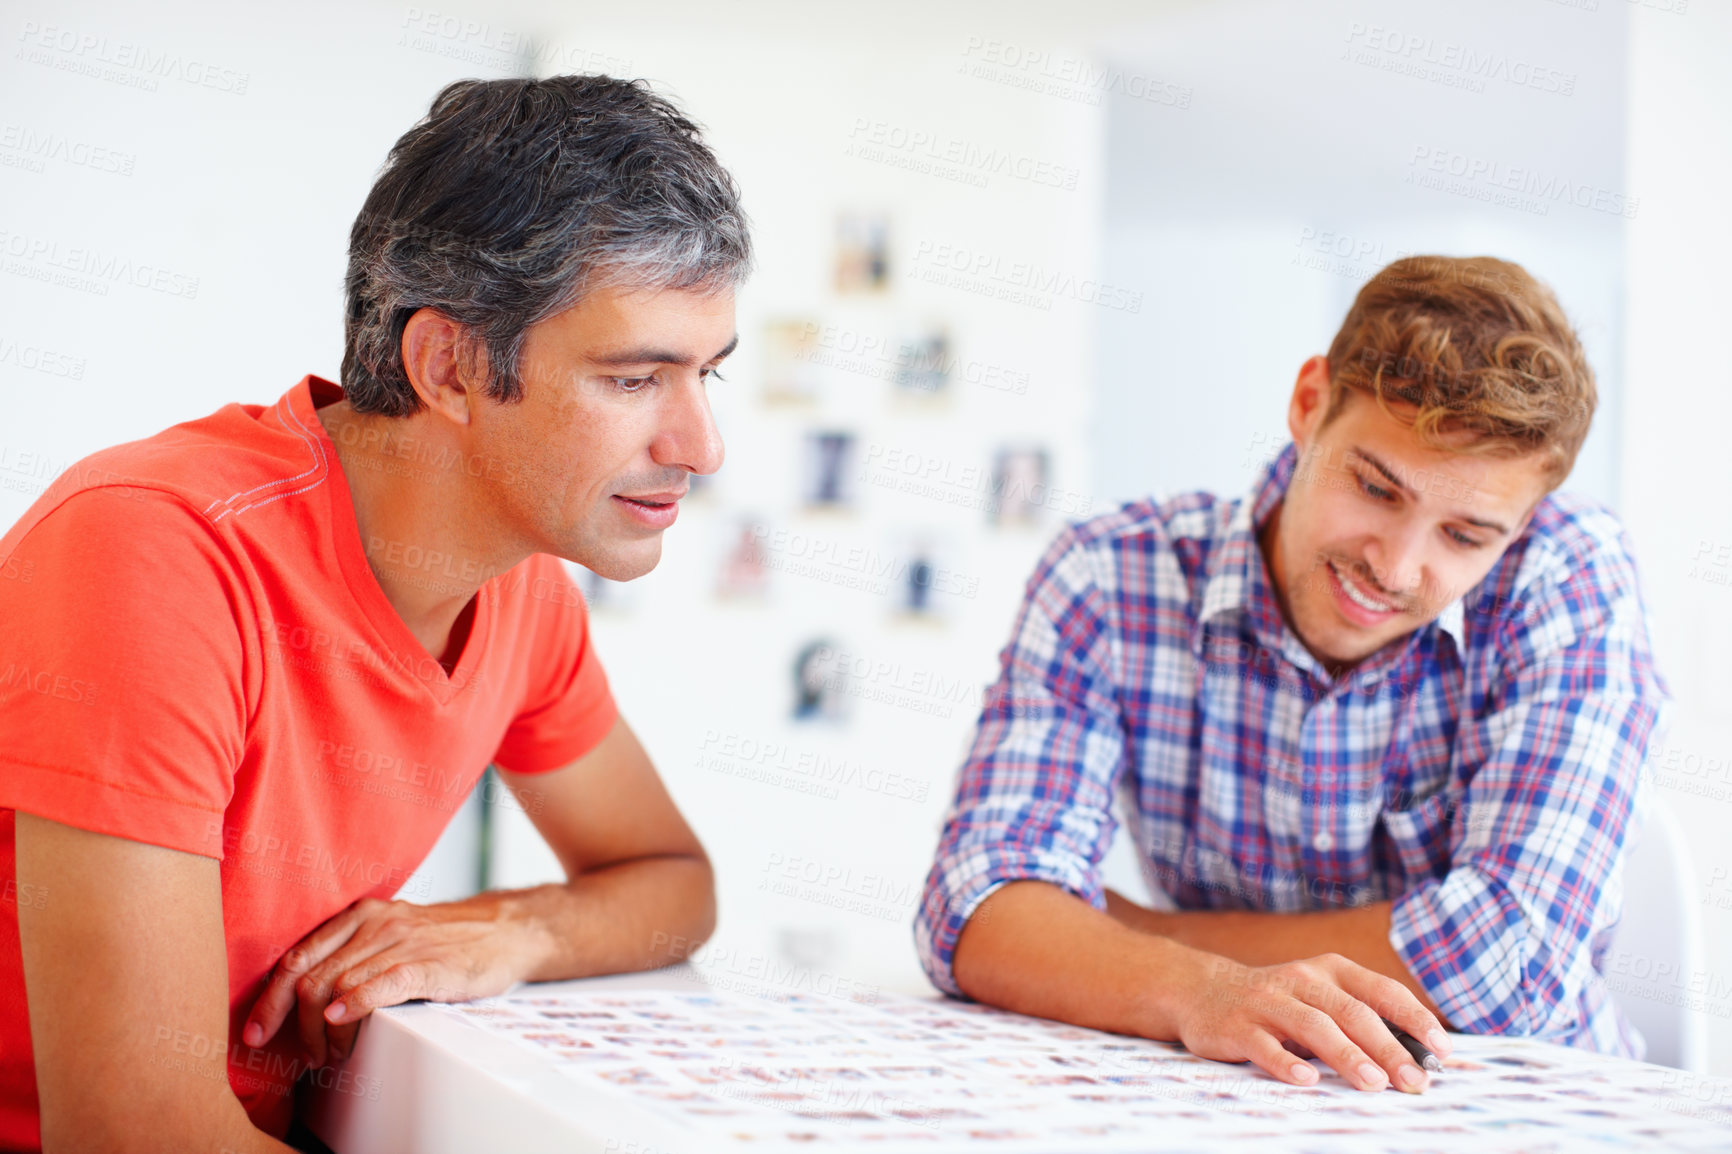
442 1080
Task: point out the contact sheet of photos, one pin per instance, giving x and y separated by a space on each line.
737 1071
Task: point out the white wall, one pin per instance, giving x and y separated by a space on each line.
1677 439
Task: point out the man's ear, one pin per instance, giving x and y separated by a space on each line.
444 365
1310 401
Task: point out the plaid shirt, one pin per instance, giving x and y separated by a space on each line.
1481 772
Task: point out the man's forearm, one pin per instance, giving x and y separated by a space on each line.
1036 949
1360 934
633 916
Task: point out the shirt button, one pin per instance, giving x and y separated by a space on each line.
1323 843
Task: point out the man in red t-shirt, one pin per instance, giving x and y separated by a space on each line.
250 666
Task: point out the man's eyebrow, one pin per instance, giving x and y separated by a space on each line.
1494 526
649 355
1388 474
1477 522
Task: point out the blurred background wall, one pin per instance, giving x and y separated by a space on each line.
1083 250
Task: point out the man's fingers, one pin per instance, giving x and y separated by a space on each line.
1365 1027
320 988
359 975
1314 1029
273 1006
1267 1052
1390 999
381 980
394 986
312 994
1328 1008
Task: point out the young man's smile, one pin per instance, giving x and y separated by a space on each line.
1355 601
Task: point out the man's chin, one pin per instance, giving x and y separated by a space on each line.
620 564
1349 646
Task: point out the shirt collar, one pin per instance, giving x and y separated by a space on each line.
1453 621
1237 579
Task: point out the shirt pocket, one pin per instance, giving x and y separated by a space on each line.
1417 838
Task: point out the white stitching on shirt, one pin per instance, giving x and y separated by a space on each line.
268 484
319 462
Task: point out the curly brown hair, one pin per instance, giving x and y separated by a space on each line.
1472 352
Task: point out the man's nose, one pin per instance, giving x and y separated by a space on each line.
688 437
1396 559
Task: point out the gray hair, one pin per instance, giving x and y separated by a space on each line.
513 199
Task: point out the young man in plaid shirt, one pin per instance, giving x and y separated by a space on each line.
1377 725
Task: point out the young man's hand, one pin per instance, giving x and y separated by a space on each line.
383 953
1358 933
1325 1006
1037 949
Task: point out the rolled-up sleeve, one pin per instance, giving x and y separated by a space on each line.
1034 796
1550 762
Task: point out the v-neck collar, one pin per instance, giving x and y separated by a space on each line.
403 651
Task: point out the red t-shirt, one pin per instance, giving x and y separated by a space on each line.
195 654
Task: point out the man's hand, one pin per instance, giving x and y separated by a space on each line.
1359 933
1325 1006
636 876
1037 949
378 953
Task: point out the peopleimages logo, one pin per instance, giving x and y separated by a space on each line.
886 358
38 359
971 163
967 484
33 148
1063 76
88 269
834 561
482 42
1015 281
122 62
1456 65
1514 186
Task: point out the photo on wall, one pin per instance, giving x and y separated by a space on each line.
862 252
924 581
793 374
820 686
828 479
1021 491
744 572
923 361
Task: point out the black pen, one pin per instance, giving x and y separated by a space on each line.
1415 1048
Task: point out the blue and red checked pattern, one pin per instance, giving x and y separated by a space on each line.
1481 772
